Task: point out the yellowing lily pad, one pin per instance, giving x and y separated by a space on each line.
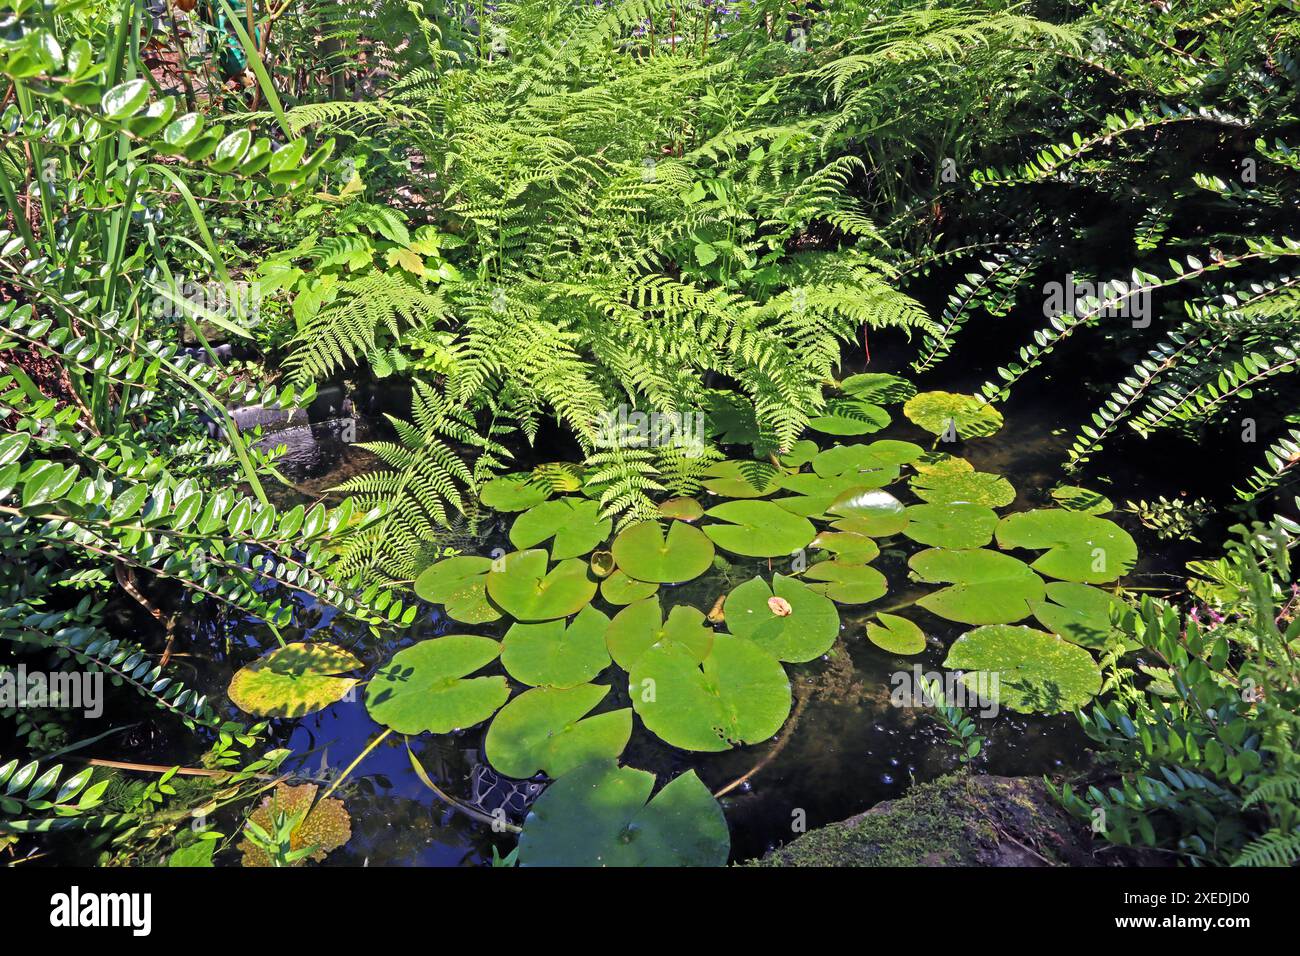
325 826
974 487
424 687
293 680
805 630
949 413
1035 672
543 731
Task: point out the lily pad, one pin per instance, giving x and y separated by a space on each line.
741 479
757 529
293 680
850 546
525 589
951 525
1080 547
872 469
846 582
975 487
940 413
800 453
878 387
941 463
739 694
641 626
805 631
643 551
876 513
574 523
1035 672
619 589
556 655
597 815
543 731
681 509
459 584
1074 498
1081 614
326 825
560 477
813 493
896 634
514 493
850 416
425 687
987 587
601 563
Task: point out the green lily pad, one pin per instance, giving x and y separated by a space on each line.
514 493
875 513
846 582
987 587
1080 547
619 589
597 815
941 463
813 493
946 412
1081 614
574 523
459 584
951 525
850 416
878 387
975 487
644 552
758 529
556 655
524 588
1035 672
681 509
872 468
741 479
806 630
1074 498
560 477
425 688
739 694
896 634
800 453
293 680
641 626
543 731
850 546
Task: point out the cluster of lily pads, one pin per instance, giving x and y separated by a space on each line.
711 682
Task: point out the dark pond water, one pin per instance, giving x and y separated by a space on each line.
848 747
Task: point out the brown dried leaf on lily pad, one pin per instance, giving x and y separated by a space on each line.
327 826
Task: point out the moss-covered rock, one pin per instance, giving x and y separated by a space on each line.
959 820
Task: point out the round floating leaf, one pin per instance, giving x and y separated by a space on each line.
644 552
988 587
425 688
850 416
800 453
551 653
601 563
742 479
896 634
951 525
757 529
459 584
514 493
1082 614
814 494
293 680
1074 498
941 463
804 632
851 546
947 412
640 626
597 815
618 588
878 387
738 695
846 583
681 509
542 731
974 487
873 468
560 477
1025 669
1080 547
876 513
574 523
527 591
